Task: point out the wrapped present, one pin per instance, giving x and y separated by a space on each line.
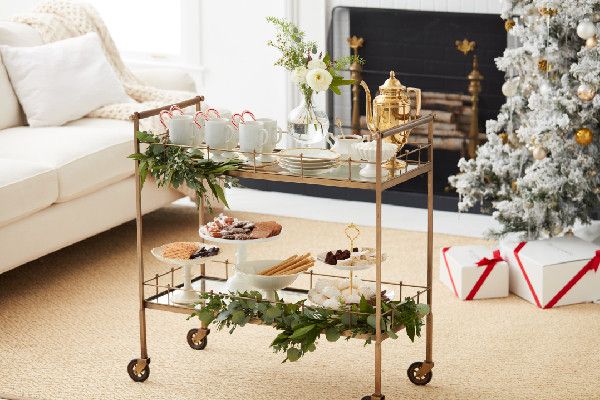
553 272
474 272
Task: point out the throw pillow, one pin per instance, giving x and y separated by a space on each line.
62 81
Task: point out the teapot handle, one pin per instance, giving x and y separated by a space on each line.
417 93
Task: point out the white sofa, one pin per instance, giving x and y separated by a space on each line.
59 185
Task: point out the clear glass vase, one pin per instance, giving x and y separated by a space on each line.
307 123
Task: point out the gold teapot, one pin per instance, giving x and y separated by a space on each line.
392 108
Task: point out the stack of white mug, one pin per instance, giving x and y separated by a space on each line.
223 131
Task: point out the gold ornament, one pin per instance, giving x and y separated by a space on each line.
585 92
592 42
543 65
509 24
504 137
551 12
513 186
539 153
596 16
596 190
592 173
584 136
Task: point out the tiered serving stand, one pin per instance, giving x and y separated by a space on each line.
157 292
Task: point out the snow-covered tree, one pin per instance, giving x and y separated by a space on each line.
538 171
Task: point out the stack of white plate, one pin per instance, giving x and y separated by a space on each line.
314 161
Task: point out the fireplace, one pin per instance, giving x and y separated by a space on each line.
421 47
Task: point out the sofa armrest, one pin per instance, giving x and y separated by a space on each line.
166 78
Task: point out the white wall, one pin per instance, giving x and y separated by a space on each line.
9 8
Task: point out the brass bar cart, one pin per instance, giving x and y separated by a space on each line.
155 291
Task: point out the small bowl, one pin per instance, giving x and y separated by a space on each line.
368 151
249 271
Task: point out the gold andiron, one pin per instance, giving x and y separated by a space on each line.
392 108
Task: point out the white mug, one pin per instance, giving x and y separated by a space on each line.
218 134
181 130
342 144
253 137
273 137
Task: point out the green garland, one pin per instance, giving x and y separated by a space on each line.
175 166
300 327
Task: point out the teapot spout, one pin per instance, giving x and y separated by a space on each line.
369 110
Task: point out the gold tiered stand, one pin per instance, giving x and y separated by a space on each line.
418 161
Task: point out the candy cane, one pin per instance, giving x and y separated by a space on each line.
161 117
249 113
199 114
214 111
241 121
176 108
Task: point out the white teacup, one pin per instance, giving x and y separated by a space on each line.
181 130
273 137
253 137
342 145
219 134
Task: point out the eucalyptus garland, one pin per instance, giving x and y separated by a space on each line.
301 326
175 166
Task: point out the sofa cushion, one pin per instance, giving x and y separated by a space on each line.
25 188
87 154
13 34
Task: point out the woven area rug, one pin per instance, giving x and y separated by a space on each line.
68 327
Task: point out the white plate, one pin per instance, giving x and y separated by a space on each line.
306 167
359 267
314 155
158 253
204 235
307 172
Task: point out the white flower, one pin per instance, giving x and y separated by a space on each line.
318 79
299 75
316 64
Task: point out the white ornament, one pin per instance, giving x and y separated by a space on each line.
331 303
586 29
331 292
585 92
353 298
510 87
539 153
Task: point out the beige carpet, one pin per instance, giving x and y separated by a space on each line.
68 327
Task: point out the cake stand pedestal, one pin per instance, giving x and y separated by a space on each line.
186 295
237 282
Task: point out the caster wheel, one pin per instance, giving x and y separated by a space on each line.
369 398
138 376
193 341
412 372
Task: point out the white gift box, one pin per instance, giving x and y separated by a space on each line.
474 272
553 272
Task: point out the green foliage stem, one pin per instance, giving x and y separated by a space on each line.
301 326
175 166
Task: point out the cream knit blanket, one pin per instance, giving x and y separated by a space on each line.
61 19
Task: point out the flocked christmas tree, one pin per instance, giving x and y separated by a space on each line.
538 170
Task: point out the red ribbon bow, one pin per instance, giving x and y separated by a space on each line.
484 262
489 265
591 265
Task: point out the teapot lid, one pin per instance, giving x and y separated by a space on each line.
392 83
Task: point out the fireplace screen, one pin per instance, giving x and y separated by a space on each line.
426 50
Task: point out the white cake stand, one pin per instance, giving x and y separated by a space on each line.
236 283
350 268
186 295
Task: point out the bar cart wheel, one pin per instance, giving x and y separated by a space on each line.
135 374
413 372
198 338
371 397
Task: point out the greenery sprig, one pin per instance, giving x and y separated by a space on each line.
301 326
175 166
